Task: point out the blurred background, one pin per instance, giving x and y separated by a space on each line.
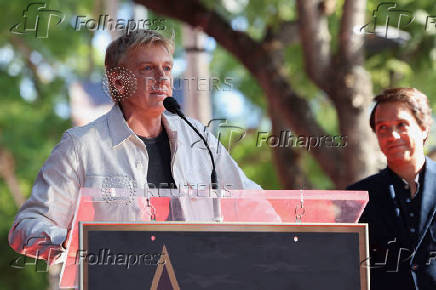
250 70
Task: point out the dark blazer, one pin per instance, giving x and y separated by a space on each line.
389 239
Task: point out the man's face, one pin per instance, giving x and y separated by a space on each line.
399 136
151 65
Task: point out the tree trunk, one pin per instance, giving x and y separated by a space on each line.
342 77
7 172
288 160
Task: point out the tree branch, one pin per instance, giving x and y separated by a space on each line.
195 14
274 42
7 172
285 34
291 177
352 95
315 39
255 57
26 52
351 48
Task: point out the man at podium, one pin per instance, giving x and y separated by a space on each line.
137 145
402 197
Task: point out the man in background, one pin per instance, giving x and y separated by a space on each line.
402 197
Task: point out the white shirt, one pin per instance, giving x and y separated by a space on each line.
103 152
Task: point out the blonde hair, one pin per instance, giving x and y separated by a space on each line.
118 48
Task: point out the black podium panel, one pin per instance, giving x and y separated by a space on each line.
232 257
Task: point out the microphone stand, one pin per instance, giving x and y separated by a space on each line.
213 176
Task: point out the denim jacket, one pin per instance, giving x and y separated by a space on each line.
104 150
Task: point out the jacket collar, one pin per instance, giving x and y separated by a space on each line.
171 123
428 200
119 130
428 204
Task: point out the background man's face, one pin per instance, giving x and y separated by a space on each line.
400 137
151 65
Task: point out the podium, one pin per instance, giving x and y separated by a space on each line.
208 239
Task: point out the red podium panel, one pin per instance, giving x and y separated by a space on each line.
243 206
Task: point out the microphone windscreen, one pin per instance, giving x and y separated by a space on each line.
171 105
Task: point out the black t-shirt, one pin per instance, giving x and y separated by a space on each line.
159 164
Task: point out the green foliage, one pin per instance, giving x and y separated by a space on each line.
294 66
410 65
224 65
30 128
254 161
22 276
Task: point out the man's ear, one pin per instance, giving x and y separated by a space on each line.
121 81
118 83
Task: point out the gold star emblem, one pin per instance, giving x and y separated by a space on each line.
164 278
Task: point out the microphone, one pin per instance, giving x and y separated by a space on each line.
172 106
